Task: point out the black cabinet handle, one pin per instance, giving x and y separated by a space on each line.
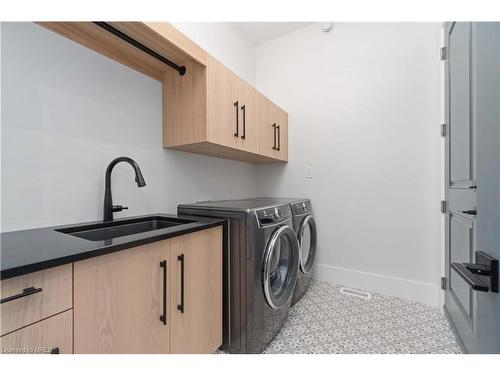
470 212
180 307
236 106
274 130
473 187
26 292
54 350
279 137
163 317
243 110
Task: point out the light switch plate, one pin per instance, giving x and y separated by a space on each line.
309 172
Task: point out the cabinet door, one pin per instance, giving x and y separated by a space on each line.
224 117
51 293
267 127
249 114
282 132
273 129
119 300
196 309
52 335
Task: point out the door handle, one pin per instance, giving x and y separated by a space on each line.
180 307
470 212
236 133
482 275
469 277
279 137
54 350
26 292
274 130
243 112
163 317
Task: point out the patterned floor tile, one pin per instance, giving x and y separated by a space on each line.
326 321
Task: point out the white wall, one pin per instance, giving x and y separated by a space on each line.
226 43
364 113
68 111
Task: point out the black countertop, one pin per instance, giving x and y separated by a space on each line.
31 250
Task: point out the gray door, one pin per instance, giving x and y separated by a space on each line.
473 183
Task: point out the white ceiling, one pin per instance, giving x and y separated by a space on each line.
260 32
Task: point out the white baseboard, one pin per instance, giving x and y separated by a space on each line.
393 286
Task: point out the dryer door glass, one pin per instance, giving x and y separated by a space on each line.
308 241
281 263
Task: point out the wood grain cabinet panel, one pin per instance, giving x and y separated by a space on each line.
224 118
249 113
273 136
50 336
119 298
51 293
282 132
196 309
119 301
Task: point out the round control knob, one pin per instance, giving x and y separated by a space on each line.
277 212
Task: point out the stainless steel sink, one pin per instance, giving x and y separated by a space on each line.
114 229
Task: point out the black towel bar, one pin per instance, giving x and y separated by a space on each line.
106 26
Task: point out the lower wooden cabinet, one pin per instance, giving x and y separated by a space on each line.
118 302
196 308
50 336
164 297
29 298
158 298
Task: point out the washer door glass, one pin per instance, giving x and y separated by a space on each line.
281 263
308 241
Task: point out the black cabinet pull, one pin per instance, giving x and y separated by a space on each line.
473 187
236 106
243 110
279 138
163 317
26 292
274 130
470 212
180 307
54 350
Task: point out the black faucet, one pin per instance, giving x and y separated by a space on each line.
108 200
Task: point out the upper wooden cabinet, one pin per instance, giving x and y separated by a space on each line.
273 133
208 110
215 112
232 109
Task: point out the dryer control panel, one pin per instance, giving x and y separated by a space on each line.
273 215
302 207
